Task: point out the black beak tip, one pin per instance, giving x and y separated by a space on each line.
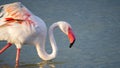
71 44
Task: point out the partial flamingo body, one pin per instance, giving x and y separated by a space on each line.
19 26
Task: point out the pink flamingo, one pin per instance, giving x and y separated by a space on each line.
19 26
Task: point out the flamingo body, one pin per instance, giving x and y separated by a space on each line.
19 26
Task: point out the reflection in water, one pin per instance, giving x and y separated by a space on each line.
43 64
46 63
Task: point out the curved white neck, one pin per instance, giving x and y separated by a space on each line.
41 47
52 40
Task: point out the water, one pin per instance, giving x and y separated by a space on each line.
96 24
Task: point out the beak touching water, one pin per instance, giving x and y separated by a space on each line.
71 37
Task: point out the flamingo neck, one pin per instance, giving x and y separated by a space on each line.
52 40
41 47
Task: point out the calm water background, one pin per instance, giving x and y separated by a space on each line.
96 24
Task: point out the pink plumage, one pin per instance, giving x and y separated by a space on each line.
19 26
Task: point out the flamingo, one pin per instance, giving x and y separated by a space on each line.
19 26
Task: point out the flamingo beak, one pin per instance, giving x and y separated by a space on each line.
71 37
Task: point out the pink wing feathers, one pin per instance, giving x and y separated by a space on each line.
15 13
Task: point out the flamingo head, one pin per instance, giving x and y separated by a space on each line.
67 29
